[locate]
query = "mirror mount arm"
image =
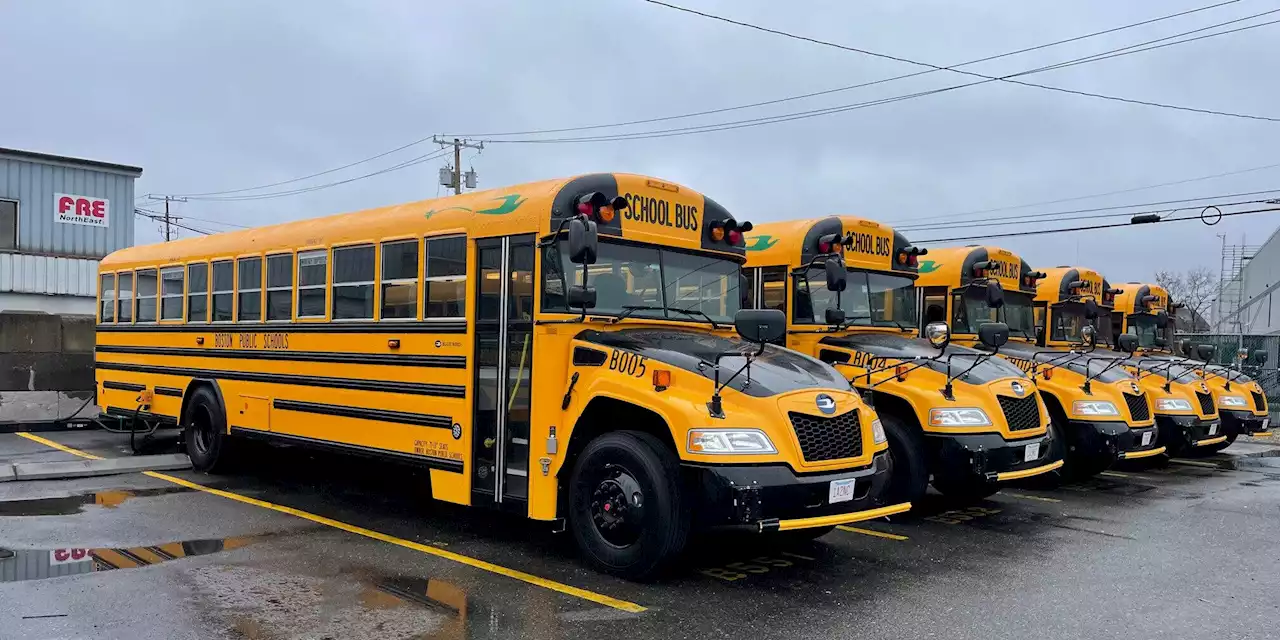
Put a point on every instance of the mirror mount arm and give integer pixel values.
(948, 391)
(715, 407)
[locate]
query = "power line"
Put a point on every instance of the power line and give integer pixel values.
(218, 222)
(1088, 228)
(263, 196)
(886, 56)
(160, 218)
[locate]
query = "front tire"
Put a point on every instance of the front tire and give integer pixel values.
(205, 431)
(628, 511)
(909, 479)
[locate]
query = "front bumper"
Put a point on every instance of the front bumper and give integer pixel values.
(773, 497)
(988, 457)
(1113, 439)
(1243, 422)
(1191, 431)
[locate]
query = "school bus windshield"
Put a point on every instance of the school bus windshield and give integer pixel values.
(662, 283)
(973, 310)
(1146, 328)
(1068, 322)
(869, 299)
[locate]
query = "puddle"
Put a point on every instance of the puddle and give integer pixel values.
(68, 505)
(38, 564)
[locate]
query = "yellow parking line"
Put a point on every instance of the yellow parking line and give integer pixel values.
(592, 596)
(1028, 497)
(1113, 474)
(872, 532)
(1195, 463)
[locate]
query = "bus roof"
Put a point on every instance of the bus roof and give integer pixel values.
(869, 244)
(658, 212)
(1139, 297)
(956, 267)
(1056, 286)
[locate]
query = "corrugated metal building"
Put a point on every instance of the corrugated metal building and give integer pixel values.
(58, 217)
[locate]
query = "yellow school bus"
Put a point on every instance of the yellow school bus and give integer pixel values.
(1097, 413)
(563, 350)
(1242, 405)
(1186, 413)
(952, 414)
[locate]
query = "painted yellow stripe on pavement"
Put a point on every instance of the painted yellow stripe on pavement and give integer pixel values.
(1113, 474)
(1025, 496)
(872, 532)
(49, 443)
(1195, 463)
(591, 596)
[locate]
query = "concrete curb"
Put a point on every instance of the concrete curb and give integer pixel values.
(88, 468)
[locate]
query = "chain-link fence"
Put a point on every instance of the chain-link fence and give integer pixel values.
(1229, 344)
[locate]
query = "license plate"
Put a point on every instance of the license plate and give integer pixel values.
(840, 491)
(1213, 428)
(1146, 438)
(1032, 452)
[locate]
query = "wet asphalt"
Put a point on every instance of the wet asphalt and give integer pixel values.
(1183, 550)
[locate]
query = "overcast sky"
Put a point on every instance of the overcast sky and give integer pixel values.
(213, 96)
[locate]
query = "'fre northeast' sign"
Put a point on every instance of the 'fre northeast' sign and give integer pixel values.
(73, 209)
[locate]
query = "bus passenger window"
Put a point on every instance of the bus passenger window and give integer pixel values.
(313, 278)
(280, 287)
(198, 292)
(400, 280)
(107, 296)
(171, 293)
(773, 283)
(353, 283)
(249, 308)
(146, 295)
(747, 288)
(124, 301)
(224, 281)
(446, 278)
(520, 289)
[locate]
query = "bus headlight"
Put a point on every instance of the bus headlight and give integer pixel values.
(1232, 401)
(1172, 404)
(877, 432)
(729, 441)
(966, 417)
(1094, 408)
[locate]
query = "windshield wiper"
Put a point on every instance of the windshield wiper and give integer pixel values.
(629, 308)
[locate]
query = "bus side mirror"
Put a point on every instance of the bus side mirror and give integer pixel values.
(1090, 309)
(834, 316)
(1205, 352)
(1184, 346)
(583, 241)
(1128, 343)
(760, 325)
(995, 295)
(1260, 357)
(993, 334)
(1089, 334)
(1241, 354)
(1159, 342)
(580, 297)
(938, 334)
(837, 277)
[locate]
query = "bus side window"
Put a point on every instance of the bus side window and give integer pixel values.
(399, 280)
(353, 283)
(313, 282)
(107, 296)
(446, 278)
(280, 287)
(146, 295)
(249, 293)
(172, 293)
(773, 285)
(124, 301)
(198, 292)
(224, 281)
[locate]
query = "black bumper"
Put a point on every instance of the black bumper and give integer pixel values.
(1242, 422)
(1186, 431)
(746, 496)
(968, 458)
(1108, 439)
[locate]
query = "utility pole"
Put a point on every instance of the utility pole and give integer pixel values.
(455, 175)
(167, 220)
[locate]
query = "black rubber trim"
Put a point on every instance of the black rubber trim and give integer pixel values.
(388, 386)
(439, 362)
(381, 415)
(459, 326)
(128, 414)
(169, 391)
(341, 447)
(123, 386)
(584, 357)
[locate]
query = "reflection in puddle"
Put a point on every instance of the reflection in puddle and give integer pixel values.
(68, 505)
(38, 564)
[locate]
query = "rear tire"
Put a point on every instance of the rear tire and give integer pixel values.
(205, 431)
(909, 479)
(628, 511)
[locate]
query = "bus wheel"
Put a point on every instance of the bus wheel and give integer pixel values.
(627, 509)
(205, 427)
(910, 469)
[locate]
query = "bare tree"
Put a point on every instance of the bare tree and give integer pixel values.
(1196, 288)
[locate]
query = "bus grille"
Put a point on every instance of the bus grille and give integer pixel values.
(1206, 403)
(1138, 409)
(1259, 401)
(828, 438)
(1020, 413)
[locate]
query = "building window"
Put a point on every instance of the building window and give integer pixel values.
(313, 278)
(400, 280)
(8, 225)
(249, 308)
(171, 293)
(198, 292)
(107, 297)
(124, 300)
(446, 278)
(280, 287)
(146, 295)
(353, 283)
(224, 283)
